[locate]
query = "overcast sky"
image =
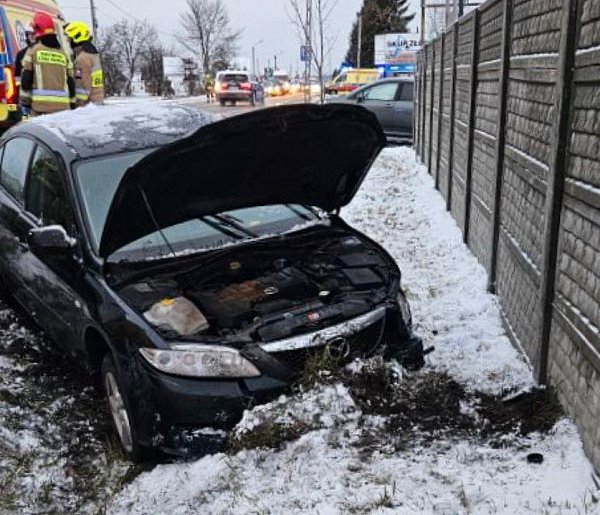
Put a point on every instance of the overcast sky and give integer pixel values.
(264, 20)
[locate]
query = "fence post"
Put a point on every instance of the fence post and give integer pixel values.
(417, 112)
(439, 129)
(556, 177)
(471, 128)
(423, 107)
(452, 114)
(430, 142)
(500, 141)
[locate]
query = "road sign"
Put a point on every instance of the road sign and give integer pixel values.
(304, 53)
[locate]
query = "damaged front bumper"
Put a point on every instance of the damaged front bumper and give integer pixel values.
(168, 408)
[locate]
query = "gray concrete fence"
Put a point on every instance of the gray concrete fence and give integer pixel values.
(508, 122)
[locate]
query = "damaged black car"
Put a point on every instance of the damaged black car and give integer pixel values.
(193, 265)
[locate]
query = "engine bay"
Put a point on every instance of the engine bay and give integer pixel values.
(265, 292)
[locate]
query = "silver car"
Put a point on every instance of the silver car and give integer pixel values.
(391, 100)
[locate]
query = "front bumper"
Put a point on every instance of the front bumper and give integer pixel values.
(164, 407)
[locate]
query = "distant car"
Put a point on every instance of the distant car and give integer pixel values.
(194, 267)
(273, 88)
(391, 100)
(238, 86)
(351, 80)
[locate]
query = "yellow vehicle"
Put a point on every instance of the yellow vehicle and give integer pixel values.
(352, 79)
(15, 15)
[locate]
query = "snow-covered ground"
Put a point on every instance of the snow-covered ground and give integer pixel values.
(334, 452)
(370, 439)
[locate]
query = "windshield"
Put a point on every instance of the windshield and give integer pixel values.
(98, 180)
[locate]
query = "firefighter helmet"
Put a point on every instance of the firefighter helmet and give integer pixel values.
(78, 32)
(42, 24)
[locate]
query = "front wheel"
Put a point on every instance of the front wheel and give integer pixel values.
(119, 410)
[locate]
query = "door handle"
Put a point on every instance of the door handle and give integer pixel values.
(389, 105)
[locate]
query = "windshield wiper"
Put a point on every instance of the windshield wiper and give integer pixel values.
(231, 221)
(221, 226)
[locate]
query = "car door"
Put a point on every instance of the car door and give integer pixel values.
(380, 99)
(49, 281)
(16, 157)
(403, 112)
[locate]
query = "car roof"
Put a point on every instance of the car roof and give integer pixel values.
(225, 72)
(100, 130)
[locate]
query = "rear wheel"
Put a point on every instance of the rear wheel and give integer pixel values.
(233, 103)
(222, 102)
(119, 410)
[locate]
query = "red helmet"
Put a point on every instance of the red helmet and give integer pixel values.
(42, 24)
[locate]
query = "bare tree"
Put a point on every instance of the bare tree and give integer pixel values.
(153, 71)
(208, 31)
(114, 80)
(131, 40)
(321, 42)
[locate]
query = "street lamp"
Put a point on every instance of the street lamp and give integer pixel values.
(254, 56)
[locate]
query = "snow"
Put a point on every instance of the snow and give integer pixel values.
(326, 470)
(110, 126)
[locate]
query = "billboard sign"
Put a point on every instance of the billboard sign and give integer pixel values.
(397, 51)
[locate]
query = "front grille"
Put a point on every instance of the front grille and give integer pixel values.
(361, 344)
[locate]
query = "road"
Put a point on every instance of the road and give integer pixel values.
(244, 107)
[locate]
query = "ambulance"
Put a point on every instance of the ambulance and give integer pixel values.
(15, 15)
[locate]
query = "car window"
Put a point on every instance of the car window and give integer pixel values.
(405, 92)
(341, 79)
(385, 92)
(98, 180)
(235, 77)
(47, 196)
(15, 162)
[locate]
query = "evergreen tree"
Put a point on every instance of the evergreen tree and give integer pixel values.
(378, 17)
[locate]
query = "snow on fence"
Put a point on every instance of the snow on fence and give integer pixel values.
(507, 119)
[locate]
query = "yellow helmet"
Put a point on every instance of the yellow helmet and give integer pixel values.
(78, 32)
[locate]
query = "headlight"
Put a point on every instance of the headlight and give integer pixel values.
(204, 361)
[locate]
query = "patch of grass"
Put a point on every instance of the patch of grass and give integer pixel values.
(267, 435)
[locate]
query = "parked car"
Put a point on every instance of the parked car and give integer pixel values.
(351, 80)
(391, 100)
(194, 276)
(14, 17)
(235, 86)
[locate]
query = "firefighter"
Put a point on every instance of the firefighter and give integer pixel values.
(209, 88)
(30, 41)
(89, 78)
(47, 84)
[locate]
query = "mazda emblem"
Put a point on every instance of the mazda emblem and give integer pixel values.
(338, 349)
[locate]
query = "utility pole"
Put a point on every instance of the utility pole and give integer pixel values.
(422, 22)
(275, 56)
(309, 47)
(94, 18)
(359, 14)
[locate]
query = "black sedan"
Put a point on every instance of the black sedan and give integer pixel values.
(193, 281)
(391, 100)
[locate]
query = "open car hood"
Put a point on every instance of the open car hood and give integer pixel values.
(299, 154)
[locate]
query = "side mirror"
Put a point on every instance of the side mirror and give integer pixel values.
(360, 98)
(50, 240)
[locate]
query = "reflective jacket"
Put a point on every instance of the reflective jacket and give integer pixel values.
(47, 84)
(89, 79)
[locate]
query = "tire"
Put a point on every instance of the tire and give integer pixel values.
(222, 102)
(120, 412)
(234, 103)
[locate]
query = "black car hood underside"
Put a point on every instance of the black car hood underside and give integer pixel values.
(301, 154)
